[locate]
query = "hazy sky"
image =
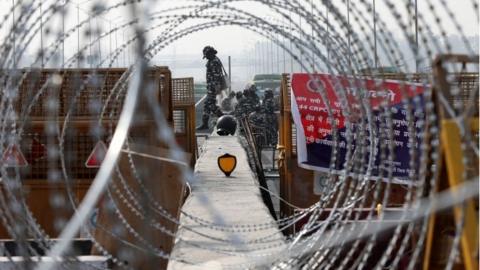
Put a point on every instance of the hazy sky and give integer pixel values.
(229, 40)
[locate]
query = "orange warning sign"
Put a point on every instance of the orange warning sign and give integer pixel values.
(13, 157)
(95, 159)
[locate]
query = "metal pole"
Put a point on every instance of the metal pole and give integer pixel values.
(41, 32)
(291, 44)
(348, 36)
(124, 49)
(229, 74)
(416, 37)
(110, 39)
(99, 43)
(63, 33)
(328, 32)
(255, 70)
(265, 61)
(78, 36)
(278, 54)
(13, 35)
(301, 36)
(271, 57)
(90, 45)
(129, 54)
(116, 45)
(284, 54)
(313, 37)
(375, 35)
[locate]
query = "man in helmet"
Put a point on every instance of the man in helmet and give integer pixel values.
(215, 78)
(254, 99)
(249, 102)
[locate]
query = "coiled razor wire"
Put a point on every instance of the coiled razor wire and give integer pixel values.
(331, 37)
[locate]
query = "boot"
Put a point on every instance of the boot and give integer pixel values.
(204, 124)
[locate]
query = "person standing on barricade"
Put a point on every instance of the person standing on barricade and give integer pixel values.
(216, 83)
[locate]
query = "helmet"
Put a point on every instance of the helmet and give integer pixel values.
(226, 125)
(239, 95)
(209, 50)
(269, 93)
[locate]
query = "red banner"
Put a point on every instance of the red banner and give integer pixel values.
(321, 100)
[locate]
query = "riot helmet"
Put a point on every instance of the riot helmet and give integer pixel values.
(239, 95)
(209, 52)
(226, 125)
(269, 93)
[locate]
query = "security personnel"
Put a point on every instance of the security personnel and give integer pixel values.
(243, 106)
(268, 106)
(268, 102)
(255, 100)
(215, 77)
(252, 99)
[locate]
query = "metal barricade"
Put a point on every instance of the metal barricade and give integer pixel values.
(184, 115)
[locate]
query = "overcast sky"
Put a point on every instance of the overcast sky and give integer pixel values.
(232, 40)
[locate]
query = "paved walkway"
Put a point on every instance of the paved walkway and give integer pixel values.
(218, 199)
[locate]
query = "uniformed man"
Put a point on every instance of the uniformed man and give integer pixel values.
(268, 106)
(243, 106)
(255, 100)
(215, 81)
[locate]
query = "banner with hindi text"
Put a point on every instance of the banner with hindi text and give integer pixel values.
(372, 142)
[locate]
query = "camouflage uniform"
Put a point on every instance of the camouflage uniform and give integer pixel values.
(215, 78)
(253, 102)
(214, 81)
(270, 118)
(242, 108)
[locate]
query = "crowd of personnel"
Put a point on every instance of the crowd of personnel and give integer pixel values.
(242, 105)
(260, 113)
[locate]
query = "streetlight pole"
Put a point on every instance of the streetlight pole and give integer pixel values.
(375, 36)
(63, 32)
(278, 53)
(271, 57)
(13, 35)
(265, 59)
(301, 36)
(348, 36)
(283, 51)
(313, 36)
(124, 48)
(328, 32)
(116, 45)
(416, 38)
(291, 44)
(99, 42)
(41, 32)
(110, 39)
(78, 36)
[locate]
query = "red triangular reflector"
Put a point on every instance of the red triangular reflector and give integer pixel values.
(95, 158)
(13, 157)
